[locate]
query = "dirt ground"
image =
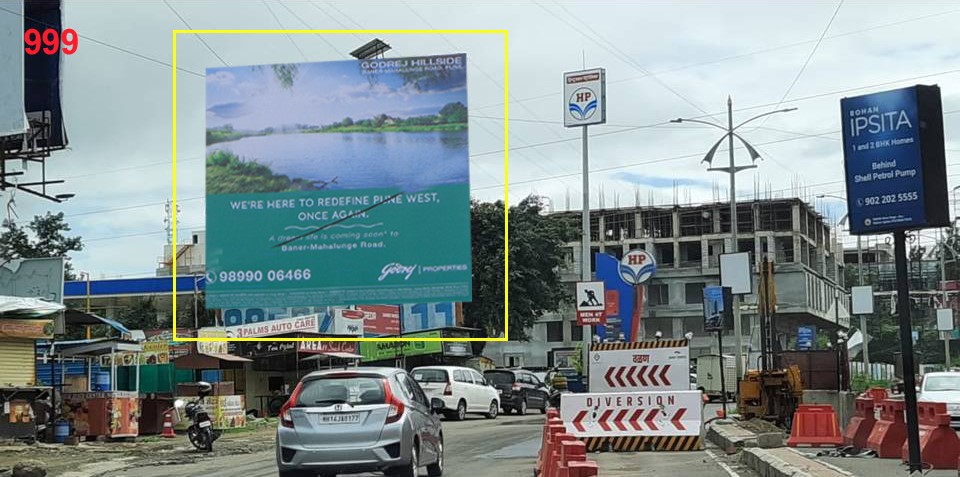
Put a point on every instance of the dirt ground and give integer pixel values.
(63, 460)
(759, 426)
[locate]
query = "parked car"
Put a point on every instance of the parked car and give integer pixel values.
(359, 420)
(519, 390)
(463, 390)
(943, 387)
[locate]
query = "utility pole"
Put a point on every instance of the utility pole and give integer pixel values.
(863, 318)
(732, 246)
(943, 288)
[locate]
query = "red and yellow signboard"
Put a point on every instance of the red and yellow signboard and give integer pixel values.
(26, 329)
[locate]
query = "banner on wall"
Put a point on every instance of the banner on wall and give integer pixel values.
(361, 167)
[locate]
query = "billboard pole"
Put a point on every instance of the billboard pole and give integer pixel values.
(585, 246)
(906, 344)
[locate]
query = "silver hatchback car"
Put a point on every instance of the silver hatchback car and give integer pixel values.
(347, 421)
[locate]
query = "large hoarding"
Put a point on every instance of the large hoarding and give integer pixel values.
(13, 119)
(894, 160)
(338, 182)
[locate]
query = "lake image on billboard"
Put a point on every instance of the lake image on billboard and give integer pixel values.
(352, 166)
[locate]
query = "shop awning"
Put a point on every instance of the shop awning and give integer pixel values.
(77, 317)
(94, 347)
(19, 307)
(209, 361)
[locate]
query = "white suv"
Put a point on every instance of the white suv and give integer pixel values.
(463, 390)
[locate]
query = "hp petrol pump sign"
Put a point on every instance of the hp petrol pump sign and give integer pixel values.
(584, 94)
(637, 266)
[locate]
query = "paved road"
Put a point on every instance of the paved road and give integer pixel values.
(477, 447)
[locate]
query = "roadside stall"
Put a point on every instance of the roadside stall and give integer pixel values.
(107, 408)
(25, 401)
(225, 404)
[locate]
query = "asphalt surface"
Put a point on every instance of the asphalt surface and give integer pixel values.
(476, 447)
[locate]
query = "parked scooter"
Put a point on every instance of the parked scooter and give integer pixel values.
(201, 432)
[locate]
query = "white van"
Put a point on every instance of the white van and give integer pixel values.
(463, 390)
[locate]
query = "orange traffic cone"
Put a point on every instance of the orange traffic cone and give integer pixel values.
(168, 425)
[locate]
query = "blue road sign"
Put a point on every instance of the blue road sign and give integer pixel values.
(805, 336)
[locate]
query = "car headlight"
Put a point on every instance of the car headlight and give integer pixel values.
(953, 408)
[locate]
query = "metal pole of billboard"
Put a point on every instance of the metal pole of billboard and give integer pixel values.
(943, 288)
(585, 250)
(906, 347)
(863, 318)
(733, 169)
(723, 372)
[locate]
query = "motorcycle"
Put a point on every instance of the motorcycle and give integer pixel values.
(201, 432)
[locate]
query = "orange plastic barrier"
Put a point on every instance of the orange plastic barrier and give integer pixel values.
(570, 451)
(890, 431)
(587, 468)
(551, 429)
(815, 425)
(860, 425)
(877, 394)
(552, 468)
(939, 444)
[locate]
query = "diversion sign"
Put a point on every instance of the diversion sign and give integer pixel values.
(341, 183)
(894, 160)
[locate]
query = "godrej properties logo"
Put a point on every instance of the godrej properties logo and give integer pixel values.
(583, 103)
(397, 269)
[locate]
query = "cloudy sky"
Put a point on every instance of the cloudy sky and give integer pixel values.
(663, 60)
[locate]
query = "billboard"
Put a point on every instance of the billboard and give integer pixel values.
(338, 182)
(894, 160)
(428, 316)
(33, 278)
(13, 119)
(584, 97)
(717, 308)
(384, 321)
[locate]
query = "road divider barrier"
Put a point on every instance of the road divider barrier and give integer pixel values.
(815, 425)
(861, 424)
(634, 421)
(939, 444)
(561, 454)
(649, 365)
(890, 431)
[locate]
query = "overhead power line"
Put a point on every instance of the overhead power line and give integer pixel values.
(199, 37)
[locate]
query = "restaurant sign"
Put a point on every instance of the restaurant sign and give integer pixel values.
(26, 329)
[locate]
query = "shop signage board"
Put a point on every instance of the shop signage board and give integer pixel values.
(383, 350)
(212, 347)
(389, 212)
(456, 349)
(893, 148)
(384, 321)
(347, 322)
(426, 316)
(266, 348)
(300, 324)
(625, 414)
(591, 309)
(584, 94)
(26, 329)
(641, 366)
(320, 347)
(154, 352)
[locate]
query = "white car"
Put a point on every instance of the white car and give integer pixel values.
(463, 390)
(943, 387)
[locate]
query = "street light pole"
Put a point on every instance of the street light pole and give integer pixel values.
(732, 247)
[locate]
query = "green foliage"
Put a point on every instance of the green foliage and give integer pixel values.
(577, 360)
(285, 74)
(861, 382)
(454, 113)
(141, 316)
(535, 259)
(44, 237)
(229, 174)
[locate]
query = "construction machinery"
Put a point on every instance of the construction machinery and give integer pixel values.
(772, 395)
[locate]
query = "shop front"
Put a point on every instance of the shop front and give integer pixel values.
(209, 361)
(24, 401)
(278, 366)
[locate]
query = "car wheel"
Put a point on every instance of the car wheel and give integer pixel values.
(461, 411)
(410, 470)
(494, 408)
(523, 407)
(436, 469)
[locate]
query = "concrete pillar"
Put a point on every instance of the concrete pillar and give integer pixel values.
(704, 253)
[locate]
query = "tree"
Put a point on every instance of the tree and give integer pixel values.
(43, 237)
(347, 122)
(453, 113)
(536, 256)
(141, 316)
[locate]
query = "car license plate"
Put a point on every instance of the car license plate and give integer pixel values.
(340, 418)
(204, 423)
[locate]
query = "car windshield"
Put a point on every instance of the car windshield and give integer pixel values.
(942, 383)
(354, 390)
(430, 375)
(499, 377)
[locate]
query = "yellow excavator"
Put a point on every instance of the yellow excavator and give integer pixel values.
(770, 395)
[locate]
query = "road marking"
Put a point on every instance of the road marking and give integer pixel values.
(722, 465)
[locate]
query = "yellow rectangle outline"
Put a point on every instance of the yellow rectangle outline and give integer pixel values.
(506, 171)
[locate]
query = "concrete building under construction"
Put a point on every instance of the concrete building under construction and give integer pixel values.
(687, 242)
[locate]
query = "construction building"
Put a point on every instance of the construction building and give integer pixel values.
(687, 242)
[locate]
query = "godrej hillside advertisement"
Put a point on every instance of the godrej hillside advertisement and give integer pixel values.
(341, 182)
